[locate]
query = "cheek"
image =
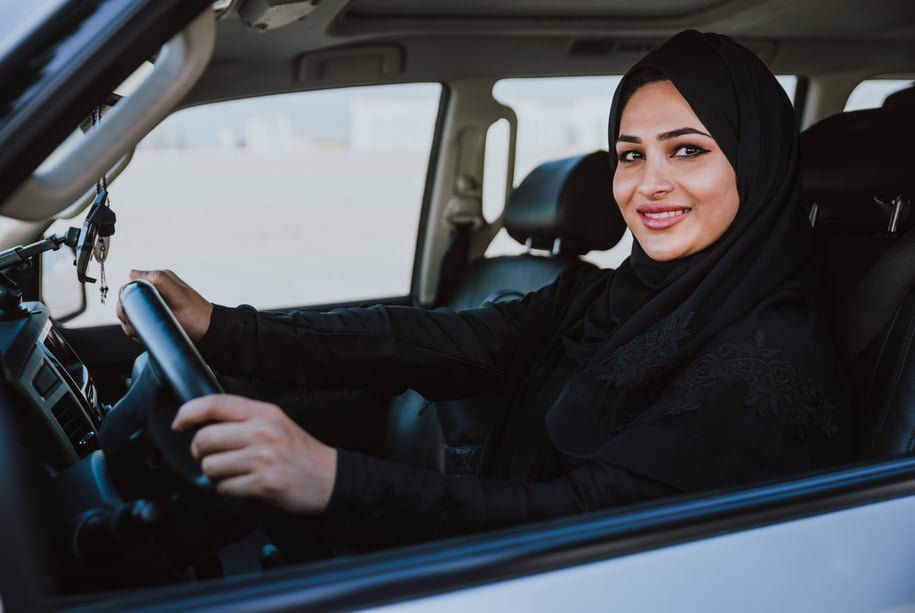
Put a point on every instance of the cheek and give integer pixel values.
(622, 189)
(718, 188)
(730, 204)
(706, 186)
(728, 201)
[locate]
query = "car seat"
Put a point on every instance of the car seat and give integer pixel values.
(859, 180)
(563, 208)
(901, 97)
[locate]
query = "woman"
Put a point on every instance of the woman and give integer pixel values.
(702, 362)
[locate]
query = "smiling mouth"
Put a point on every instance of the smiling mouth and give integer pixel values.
(659, 220)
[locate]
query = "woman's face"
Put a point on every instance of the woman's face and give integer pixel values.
(675, 187)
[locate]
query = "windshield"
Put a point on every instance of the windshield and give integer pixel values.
(19, 19)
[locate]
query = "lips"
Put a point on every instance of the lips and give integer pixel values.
(661, 216)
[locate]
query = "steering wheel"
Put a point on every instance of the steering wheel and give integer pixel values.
(144, 454)
(145, 458)
(169, 347)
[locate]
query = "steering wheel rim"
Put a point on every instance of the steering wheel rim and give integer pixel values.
(169, 347)
(175, 360)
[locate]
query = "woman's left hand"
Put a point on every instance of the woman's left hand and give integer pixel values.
(253, 449)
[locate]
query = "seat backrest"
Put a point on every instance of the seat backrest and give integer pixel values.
(563, 208)
(901, 97)
(859, 179)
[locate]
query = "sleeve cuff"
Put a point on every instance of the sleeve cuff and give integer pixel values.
(348, 483)
(217, 346)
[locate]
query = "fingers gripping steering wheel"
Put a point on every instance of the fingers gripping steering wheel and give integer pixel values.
(144, 454)
(169, 347)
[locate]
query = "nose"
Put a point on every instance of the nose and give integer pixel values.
(654, 181)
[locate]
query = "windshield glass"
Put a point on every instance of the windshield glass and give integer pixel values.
(19, 19)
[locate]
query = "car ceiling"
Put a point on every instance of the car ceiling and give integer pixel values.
(420, 40)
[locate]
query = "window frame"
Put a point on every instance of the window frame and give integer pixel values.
(421, 212)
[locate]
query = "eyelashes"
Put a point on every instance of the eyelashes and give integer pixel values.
(690, 151)
(629, 156)
(682, 151)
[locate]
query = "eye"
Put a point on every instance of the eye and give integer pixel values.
(688, 151)
(630, 155)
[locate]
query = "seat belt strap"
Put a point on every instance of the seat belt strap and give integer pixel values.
(453, 261)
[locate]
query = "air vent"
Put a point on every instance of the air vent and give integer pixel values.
(75, 425)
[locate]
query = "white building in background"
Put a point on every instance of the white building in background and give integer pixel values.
(269, 133)
(545, 131)
(226, 138)
(163, 138)
(553, 131)
(391, 124)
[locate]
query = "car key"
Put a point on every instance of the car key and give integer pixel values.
(100, 253)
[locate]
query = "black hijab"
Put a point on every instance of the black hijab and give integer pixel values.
(714, 368)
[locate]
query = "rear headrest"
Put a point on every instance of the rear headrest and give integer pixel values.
(569, 200)
(853, 158)
(903, 96)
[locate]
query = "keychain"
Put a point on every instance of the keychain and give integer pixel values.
(95, 237)
(94, 240)
(100, 253)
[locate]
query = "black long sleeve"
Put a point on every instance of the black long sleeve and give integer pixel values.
(441, 354)
(376, 503)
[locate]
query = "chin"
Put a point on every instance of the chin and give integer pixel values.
(665, 252)
(664, 256)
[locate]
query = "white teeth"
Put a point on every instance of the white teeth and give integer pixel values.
(664, 214)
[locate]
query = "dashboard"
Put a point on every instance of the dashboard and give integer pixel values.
(66, 414)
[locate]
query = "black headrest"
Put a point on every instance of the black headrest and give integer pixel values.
(567, 199)
(852, 158)
(903, 96)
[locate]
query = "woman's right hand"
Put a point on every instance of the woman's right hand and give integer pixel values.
(192, 310)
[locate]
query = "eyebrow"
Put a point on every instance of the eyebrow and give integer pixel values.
(626, 138)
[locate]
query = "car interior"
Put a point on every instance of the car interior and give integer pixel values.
(559, 211)
(862, 236)
(127, 503)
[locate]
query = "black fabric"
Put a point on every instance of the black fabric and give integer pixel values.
(707, 372)
(448, 435)
(718, 346)
(466, 423)
(442, 354)
(569, 200)
(566, 200)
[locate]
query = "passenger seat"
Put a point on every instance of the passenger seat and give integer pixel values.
(564, 209)
(859, 181)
